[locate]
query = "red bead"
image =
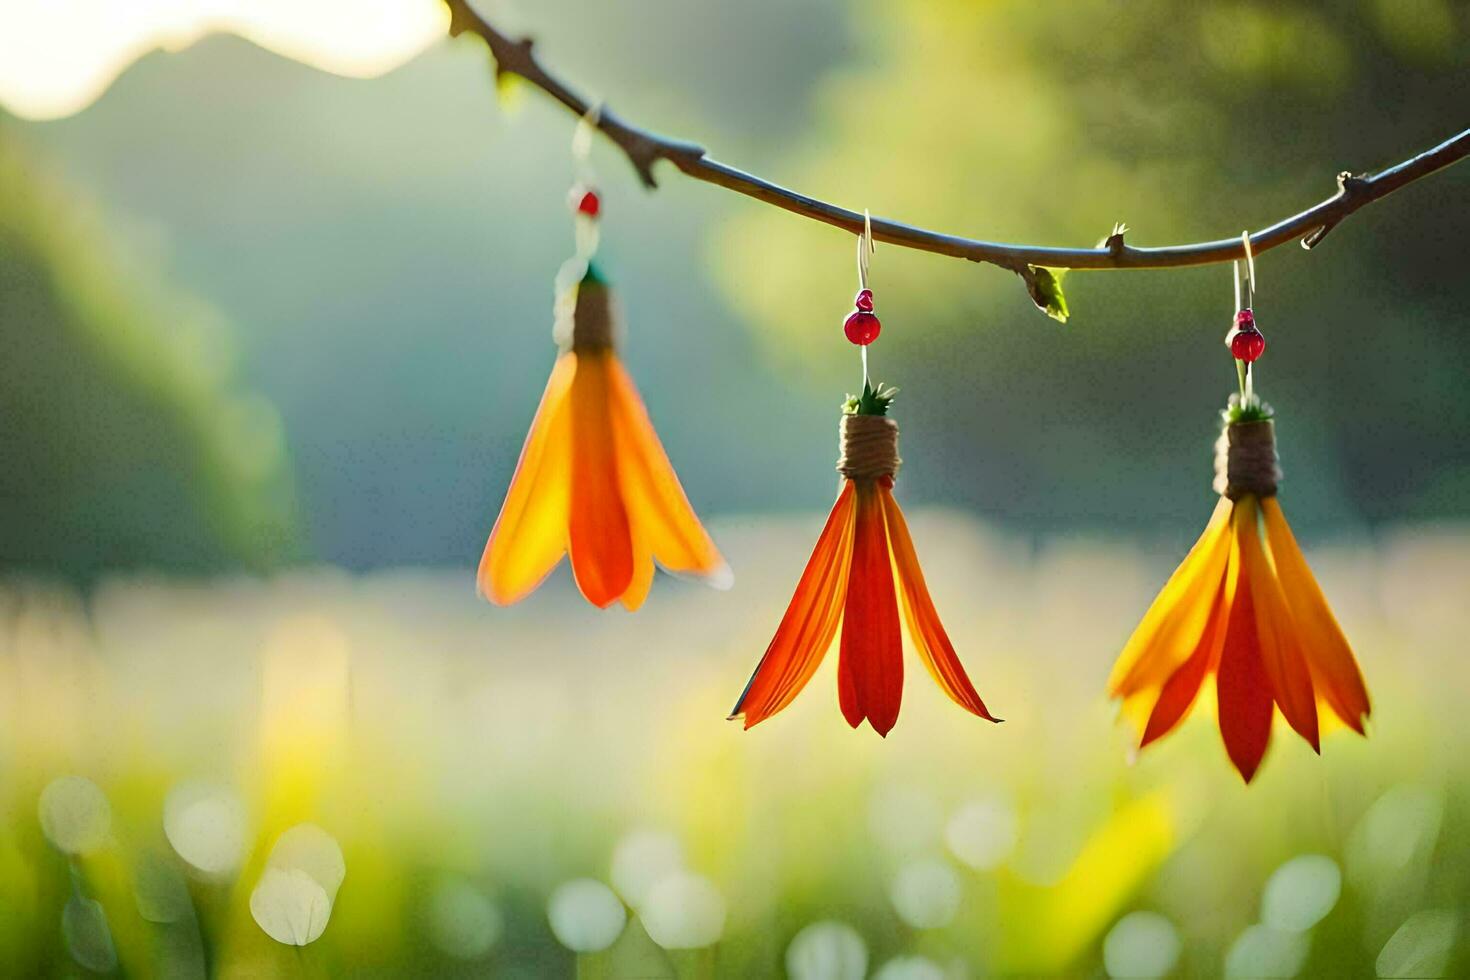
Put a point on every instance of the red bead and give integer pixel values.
(864, 300)
(1245, 320)
(862, 328)
(584, 201)
(1247, 344)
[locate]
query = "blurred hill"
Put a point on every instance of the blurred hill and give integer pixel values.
(124, 440)
(385, 249)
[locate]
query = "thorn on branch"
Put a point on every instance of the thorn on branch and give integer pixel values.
(1350, 189)
(1114, 242)
(644, 149)
(513, 57)
(1312, 240)
(460, 19)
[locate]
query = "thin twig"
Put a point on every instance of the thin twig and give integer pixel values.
(644, 149)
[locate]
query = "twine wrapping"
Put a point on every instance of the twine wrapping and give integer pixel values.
(593, 320)
(1245, 460)
(868, 445)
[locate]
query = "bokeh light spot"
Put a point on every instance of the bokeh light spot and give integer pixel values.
(827, 950)
(1263, 952)
(926, 894)
(1141, 945)
(87, 936)
(909, 968)
(585, 915)
(641, 859)
(684, 911)
(160, 891)
(311, 850)
(290, 906)
(982, 833)
(1300, 893)
(904, 819)
(206, 825)
(1421, 947)
(1401, 824)
(75, 815)
(462, 921)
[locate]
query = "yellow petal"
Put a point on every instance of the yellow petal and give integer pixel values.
(1178, 694)
(925, 630)
(1170, 629)
(656, 502)
(642, 577)
(1335, 672)
(530, 535)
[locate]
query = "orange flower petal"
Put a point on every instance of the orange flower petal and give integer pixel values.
(1170, 630)
(1281, 652)
(810, 622)
(870, 663)
(599, 539)
(1179, 692)
(1335, 672)
(642, 578)
(925, 630)
(530, 535)
(1242, 688)
(656, 502)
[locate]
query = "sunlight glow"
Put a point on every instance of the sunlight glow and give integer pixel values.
(304, 710)
(56, 58)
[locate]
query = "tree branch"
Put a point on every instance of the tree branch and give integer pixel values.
(644, 149)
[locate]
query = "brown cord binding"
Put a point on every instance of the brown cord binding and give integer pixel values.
(869, 447)
(592, 319)
(1245, 460)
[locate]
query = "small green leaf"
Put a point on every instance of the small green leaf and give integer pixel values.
(873, 401)
(1045, 286)
(1252, 410)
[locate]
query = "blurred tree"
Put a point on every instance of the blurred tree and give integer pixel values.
(122, 440)
(1022, 122)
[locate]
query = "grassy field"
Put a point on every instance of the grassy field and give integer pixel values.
(457, 765)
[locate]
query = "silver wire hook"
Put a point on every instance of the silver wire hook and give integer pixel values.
(1250, 280)
(865, 247)
(586, 126)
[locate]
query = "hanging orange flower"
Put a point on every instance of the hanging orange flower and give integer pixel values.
(1243, 610)
(849, 579)
(593, 480)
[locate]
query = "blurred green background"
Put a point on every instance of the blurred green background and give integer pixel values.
(355, 276)
(273, 336)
